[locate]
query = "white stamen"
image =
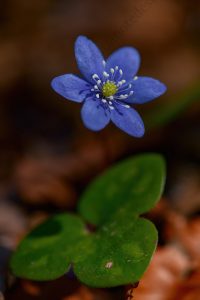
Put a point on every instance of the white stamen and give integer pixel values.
(121, 82)
(110, 103)
(97, 95)
(112, 70)
(123, 96)
(111, 97)
(126, 105)
(99, 81)
(96, 87)
(120, 72)
(104, 100)
(116, 68)
(111, 107)
(105, 74)
(104, 63)
(131, 93)
(95, 76)
(135, 78)
(125, 88)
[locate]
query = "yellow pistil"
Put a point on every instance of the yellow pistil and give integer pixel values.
(109, 89)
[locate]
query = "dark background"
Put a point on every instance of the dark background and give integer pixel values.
(47, 156)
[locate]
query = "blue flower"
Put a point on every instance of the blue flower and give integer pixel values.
(109, 87)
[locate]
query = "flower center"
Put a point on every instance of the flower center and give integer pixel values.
(109, 89)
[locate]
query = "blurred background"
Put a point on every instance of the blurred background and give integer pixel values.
(47, 156)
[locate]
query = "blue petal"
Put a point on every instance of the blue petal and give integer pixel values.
(128, 120)
(89, 58)
(71, 87)
(94, 116)
(128, 59)
(146, 89)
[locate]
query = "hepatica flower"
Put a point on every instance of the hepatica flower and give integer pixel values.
(108, 87)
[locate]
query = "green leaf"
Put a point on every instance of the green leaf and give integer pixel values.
(122, 246)
(137, 181)
(46, 253)
(118, 253)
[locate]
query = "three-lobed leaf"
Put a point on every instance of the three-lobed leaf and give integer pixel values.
(122, 246)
